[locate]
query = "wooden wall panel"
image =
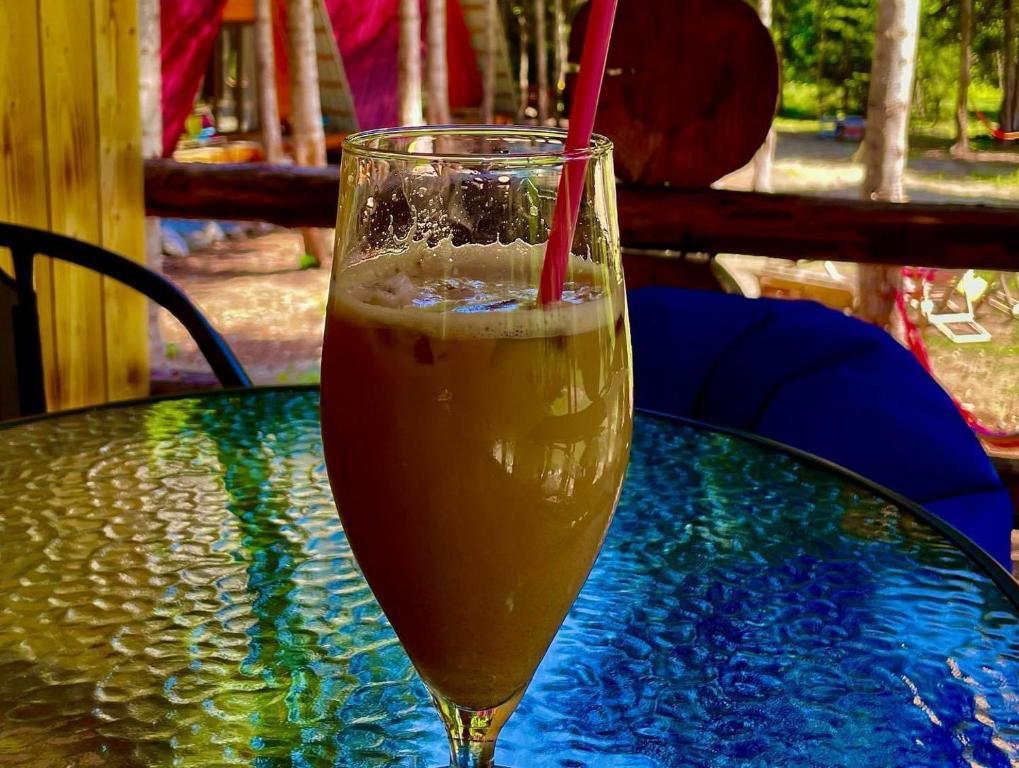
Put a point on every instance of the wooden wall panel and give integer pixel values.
(121, 196)
(22, 135)
(72, 141)
(70, 161)
(24, 197)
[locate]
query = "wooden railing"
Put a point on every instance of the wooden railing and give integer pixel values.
(651, 219)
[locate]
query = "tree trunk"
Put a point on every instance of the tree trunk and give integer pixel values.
(541, 59)
(822, 40)
(891, 86)
(763, 161)
(765, 156)
(1010, 113)
(306, 107)
(488, 81)
(150, 77)
(306, 104)
(562, 53)
(524, 81)
(887, 138)
(1009, 118)
(410, 63)
(961, 146)
(438, 65)
(265, 64)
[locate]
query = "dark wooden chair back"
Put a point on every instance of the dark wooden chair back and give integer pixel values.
(690, 91)
(22, 390)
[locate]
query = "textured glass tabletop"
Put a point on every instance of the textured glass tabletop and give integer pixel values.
(176, 590)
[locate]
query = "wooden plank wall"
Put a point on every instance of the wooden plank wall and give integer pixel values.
(70, 161)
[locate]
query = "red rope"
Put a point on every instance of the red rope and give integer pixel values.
(916, 345)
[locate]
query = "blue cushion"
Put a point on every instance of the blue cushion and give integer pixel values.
(822, 382)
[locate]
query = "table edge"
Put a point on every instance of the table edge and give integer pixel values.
(977, 555)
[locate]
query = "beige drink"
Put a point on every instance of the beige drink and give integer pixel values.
(476, 444)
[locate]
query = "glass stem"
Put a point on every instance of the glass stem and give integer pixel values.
(472, 733)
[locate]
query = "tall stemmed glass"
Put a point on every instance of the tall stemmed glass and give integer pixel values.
(476, 440)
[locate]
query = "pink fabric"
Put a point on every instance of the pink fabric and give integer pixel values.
(189, 29)
(367, 32)
(464, 75)
(368, 35)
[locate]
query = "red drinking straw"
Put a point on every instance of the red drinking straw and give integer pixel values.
(578, 139)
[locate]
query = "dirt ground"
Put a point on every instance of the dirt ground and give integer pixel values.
(253, 291)
(272, 312)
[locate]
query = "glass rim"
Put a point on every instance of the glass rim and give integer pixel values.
(357, 144)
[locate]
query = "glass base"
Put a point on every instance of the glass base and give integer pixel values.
(472, 733)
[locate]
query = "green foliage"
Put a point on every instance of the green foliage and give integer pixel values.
(937, 68)
(829, 44)
(827, 48)
(986, 98)
(937, 86)
(799, 100)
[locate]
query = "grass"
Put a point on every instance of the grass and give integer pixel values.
(924, 139)
(796, 124)
(1006, 179)
(1004, 349)
(800, 110)
(291, 375)
(799, 100)
(984, 376)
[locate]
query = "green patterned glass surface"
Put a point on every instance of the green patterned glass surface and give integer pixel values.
(177, 591)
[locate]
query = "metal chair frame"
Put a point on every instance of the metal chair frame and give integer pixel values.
(25, 243)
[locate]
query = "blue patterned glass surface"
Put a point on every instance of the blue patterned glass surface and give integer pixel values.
(177, 591)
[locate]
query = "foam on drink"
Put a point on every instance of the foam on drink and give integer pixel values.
(470, 291)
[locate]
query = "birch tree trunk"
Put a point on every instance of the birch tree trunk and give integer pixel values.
(887, 139)
(150, 76)
(306, 104)
(961, 146)
(438, 64)
(763, 162)
(306, 107)
(541, 59)
(765, 156)
(488, 80)
(561, 52)
(265, 65)
(1009, 119)
(524, 82)
(411, 112)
